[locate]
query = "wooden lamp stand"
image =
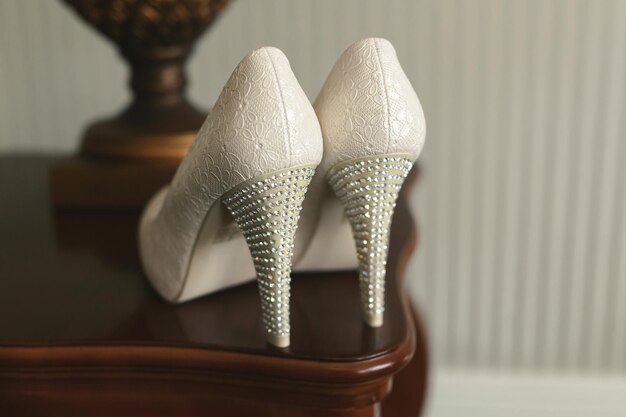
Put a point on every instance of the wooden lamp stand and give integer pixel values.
(125, 159)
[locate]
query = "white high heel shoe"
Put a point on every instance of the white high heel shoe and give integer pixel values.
(374, 129)
(255, 153)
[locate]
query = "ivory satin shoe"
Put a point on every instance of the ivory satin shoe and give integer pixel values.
(373, 128)
(252, 161)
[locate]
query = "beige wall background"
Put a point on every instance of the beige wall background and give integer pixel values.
(522, 259)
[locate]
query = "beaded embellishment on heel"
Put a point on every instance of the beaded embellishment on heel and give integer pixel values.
(267, 212)
(368, 188)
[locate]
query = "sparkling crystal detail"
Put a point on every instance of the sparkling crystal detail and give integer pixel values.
(368, 189)
(267, 211)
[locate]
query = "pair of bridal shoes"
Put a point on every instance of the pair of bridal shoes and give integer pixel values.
(266, 162)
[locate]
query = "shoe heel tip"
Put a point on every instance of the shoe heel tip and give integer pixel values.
(281, 341)
(374, 320)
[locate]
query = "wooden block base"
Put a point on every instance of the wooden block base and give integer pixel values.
(80, 183)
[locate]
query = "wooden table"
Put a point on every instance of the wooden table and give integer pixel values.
(82, 332)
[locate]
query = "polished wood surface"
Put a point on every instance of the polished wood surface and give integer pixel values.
(97, 184)
(77, 315)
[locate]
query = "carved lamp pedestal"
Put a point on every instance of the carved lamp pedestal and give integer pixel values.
(160, 122)
(124, 159)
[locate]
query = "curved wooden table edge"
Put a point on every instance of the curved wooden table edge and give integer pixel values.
(66, 361)
(33, 359)
(90, 358)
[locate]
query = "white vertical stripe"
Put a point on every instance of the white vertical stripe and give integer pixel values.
(512, 160)
(541, 39)
(436, 133)
(580, 188)
(5, 77)
(604, 173)
(419, 16)
(460, 246)
(560, 132)
(615, 344)
(487, 199)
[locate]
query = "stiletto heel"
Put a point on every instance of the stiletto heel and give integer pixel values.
(267, 211)
(254, 156)
(373, 128)
(368, 188)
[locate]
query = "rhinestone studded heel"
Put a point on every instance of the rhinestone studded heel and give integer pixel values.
(254, 156)
(267, 211)
(368, 188)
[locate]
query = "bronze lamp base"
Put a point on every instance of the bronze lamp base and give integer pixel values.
(118, 154)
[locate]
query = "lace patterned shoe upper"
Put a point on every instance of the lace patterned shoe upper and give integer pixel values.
(261, 123)
(368, 107)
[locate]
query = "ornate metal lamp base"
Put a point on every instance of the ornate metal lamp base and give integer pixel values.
(154, 132)
(144, 131)
(160, 122)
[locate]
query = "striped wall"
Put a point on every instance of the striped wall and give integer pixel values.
(522, 259)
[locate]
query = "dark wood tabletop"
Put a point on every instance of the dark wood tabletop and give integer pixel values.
(81, 328)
